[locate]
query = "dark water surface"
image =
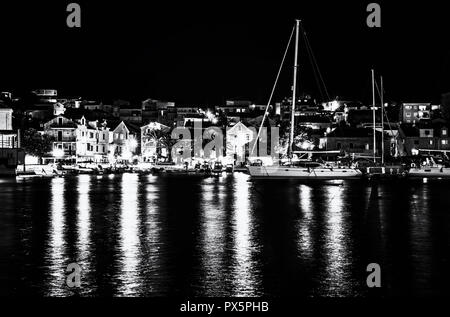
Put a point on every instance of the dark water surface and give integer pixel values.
(161, 236)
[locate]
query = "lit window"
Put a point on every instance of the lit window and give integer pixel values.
(444, 132)
(444, 142)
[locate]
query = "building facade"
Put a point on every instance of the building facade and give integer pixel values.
(64, 132)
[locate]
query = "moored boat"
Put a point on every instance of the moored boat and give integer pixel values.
(313, 171)
(429, 172)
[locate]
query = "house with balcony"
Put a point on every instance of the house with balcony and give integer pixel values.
(10, 153)
(64, 132)
(8, 137)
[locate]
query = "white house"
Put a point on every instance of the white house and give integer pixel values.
(238, 141)
(123, 144)
(92, 141)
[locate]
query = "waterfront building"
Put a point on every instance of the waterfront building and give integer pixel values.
(64, 132)
(352, 140)
(238, 139)
(123, 144)
(425, 137)
(10, 153)
(8, 137)
(92, 141)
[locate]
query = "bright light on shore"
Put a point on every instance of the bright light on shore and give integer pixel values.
(132, 144)
(58, 153)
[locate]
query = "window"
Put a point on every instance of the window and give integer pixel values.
(444, 131)
(96, 148)
(408, 114)
(431, 142)
(444, 142)
(91, 135)
(103, 136)
(121, 136)
(60, 121)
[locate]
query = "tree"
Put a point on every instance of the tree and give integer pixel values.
(163, 139)
(36, 144)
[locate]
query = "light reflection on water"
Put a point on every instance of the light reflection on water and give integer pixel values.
(337, 277)
(246, 275)
(129, 236)
(56, 250)
(227, 236)
(305, 223)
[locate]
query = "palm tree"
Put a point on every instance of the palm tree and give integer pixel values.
(162, 138)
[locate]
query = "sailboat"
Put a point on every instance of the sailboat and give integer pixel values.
(306, 170)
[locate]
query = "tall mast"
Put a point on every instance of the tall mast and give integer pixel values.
(294, 87)
(382, 121)
(374, 121)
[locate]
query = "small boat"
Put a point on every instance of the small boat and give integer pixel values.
(47, 171)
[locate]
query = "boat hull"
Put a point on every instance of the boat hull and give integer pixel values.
(280, 172)
(431, 172)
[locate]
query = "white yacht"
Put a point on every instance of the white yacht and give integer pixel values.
(429, 172)
(307, 170)
(311, 171)
(429, 168)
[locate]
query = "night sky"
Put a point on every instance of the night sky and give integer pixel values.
(207, 52)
